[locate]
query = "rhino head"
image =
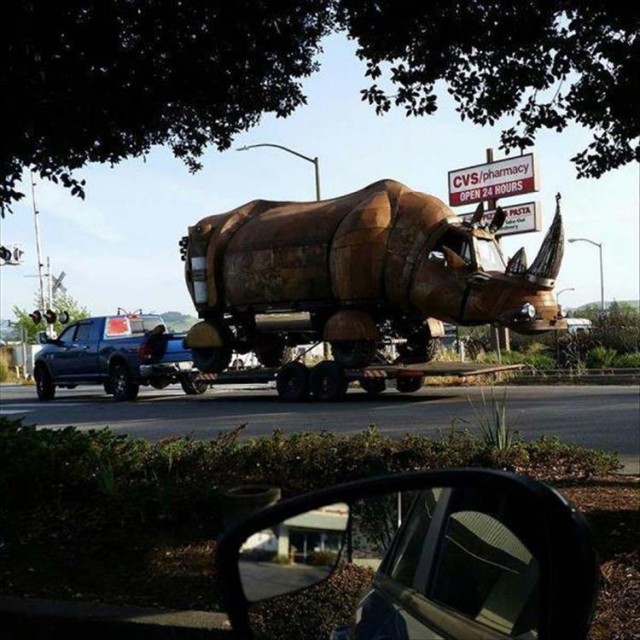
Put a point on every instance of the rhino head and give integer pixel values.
(464, 278)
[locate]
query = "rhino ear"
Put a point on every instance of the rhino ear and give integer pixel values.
(498, 220)
(477, 216)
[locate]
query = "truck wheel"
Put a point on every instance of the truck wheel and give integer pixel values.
(122, 384)
(292, 382)
(193, 387)
(353, 354)
(214, 360)
(419, 349)
(328, 381)
(373, 386)
(409, 385)
(45, 388)
(272, 352)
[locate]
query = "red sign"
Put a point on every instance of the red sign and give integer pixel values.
(493, 180)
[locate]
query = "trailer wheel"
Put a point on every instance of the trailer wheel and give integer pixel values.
(409, 385)
(353, 354)
(213, 360)
(292, 382)
(193, 387)
(328, 381)
(271, 351)
(373, 386)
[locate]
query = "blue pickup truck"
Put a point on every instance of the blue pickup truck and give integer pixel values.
(119, 352)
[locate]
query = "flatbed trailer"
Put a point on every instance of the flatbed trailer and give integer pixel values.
(329, 381)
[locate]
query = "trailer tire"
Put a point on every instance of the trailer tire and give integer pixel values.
(211, 360)
(292, 382)
(45, 388)
(273, 352)
(328, 382)
(122, 383)
(193, 387)
(409, 385)
(373, 386)
(353, 354)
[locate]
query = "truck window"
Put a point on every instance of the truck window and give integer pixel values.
(83, 334)
(117, 327)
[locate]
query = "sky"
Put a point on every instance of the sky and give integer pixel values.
(119, 247)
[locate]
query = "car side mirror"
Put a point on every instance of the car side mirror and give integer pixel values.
(43, 338)
(477, 553)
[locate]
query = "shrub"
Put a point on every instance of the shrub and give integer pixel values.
(4, 366)
(322, 559)
(627, 361)
(600, 358)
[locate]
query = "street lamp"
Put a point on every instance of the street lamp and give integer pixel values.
(599, 245)
(316, 164)
(562, 291)
(314, 161)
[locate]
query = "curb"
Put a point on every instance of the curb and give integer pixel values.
(39, 619)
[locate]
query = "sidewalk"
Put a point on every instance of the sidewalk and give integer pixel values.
(37, 619)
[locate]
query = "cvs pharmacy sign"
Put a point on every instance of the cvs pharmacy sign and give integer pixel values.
(490, 181)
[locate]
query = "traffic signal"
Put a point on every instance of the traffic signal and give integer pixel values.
(64, 317)
(183, 244)
(36, 316)
(11, 254)
(50, 316)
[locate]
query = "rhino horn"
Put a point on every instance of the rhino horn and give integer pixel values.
(477, 215)
(498, 220)
(546, 266)
(517, 264)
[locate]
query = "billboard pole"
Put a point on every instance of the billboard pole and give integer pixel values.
(500, 335)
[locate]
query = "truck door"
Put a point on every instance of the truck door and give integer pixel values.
(82, 354)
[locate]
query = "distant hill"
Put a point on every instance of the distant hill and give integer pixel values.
(178, 322)
(634, 304)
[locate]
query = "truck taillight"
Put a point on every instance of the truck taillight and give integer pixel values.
(145, 352)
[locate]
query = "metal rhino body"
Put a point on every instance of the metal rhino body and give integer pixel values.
(381, 263)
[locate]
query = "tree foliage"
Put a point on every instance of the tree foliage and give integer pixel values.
(90, 81)
(61, 302)
(546, 62)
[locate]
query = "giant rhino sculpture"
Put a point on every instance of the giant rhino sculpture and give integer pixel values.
(380, 263)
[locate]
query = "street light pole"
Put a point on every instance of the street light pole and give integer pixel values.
(314, 161)
(599, 245)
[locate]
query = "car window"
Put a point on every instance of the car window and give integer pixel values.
(405, 560)
(486, 572)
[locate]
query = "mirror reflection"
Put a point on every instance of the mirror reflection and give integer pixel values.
(295, 553)
(405, 565)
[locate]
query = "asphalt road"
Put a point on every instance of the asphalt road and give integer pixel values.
(600, 417)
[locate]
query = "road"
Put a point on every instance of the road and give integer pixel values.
(600, 417)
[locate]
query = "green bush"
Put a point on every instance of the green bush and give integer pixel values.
(322, 559)
(627, 361)
(600, 358)
(125, 481)
(535, 359)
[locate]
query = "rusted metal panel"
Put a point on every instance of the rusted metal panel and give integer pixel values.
(351, 325)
